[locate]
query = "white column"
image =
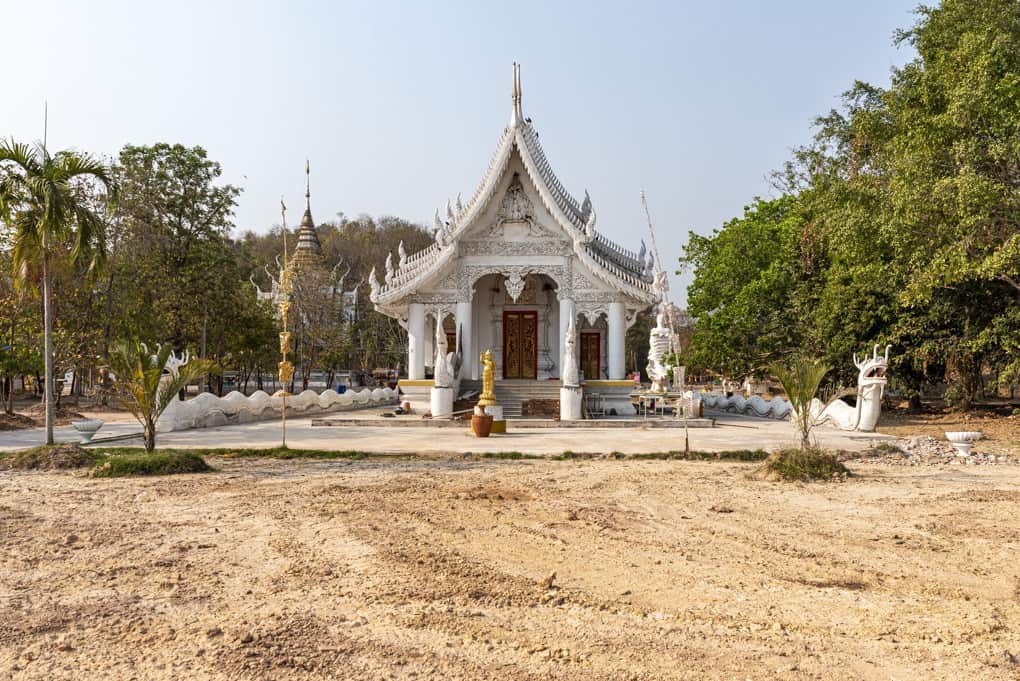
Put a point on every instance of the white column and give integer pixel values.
(566, 314)
(617, 336)
(416, 341)
(469, 366)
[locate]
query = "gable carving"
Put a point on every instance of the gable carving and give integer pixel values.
(515, 217)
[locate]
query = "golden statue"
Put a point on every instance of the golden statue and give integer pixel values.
(286, 373)
(488, 398)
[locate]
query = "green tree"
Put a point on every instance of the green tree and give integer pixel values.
(900, 223)
(43, 200)
(175, 271)
(744, 277)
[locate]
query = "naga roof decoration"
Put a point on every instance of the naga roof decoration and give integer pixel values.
(615, 265)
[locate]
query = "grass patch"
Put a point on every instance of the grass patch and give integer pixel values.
(675, 455)
(245, 452)
(576, 456)
(49, 458)
(804, 465)
(511, 456)
(881, 449)
(166, 462)
(728, 455)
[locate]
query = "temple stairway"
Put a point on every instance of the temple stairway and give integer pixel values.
(513, 393)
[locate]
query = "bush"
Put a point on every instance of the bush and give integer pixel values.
(155, 463)
(804, 465)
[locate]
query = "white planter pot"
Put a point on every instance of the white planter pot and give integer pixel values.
(963, 440)
(87, 429)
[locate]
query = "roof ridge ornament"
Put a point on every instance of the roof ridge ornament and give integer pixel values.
(516, 117)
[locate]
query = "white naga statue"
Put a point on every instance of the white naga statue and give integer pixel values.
(445, 361)
(871, 380)
(658, 349)
(570, 374)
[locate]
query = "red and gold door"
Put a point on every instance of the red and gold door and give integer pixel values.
(520, 344)
(591, 353)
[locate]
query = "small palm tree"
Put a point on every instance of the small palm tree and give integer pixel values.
(142, 386)
(41, 199)
(801, 381)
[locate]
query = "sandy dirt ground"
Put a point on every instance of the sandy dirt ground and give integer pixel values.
(1001, 434)
(454, 569)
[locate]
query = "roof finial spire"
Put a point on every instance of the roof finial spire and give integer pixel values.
(516, 117)
(308, 185)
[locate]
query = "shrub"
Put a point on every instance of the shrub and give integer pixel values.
(804, 465)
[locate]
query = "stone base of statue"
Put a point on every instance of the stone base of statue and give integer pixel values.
(441, 402)
(498, 420)
(570, 404)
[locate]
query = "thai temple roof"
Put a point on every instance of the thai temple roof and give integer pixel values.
(617, 266)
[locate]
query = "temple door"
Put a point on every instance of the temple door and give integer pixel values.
(520, 344)
(591, 353)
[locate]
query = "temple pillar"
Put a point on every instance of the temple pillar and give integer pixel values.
(566, 315)
(416, 341)
(617, 337)
(466, 341)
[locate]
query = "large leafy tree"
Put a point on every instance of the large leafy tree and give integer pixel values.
(900, 222)
(744, 276)
(44, 199)
(174, 274)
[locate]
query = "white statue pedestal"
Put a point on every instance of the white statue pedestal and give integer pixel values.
(570, 404)
(498, 420)
(441, 402)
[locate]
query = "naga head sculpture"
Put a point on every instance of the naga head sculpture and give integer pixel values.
(175, 361)
(872, 369)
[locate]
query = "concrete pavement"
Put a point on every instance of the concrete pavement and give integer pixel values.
(732, 432)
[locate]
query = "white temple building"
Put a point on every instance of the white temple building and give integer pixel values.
(511, 267)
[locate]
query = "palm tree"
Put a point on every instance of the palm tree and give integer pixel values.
(143, 388)
(801, 381)
(41, 197)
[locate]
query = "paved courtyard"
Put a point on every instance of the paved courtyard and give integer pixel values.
(731, 432)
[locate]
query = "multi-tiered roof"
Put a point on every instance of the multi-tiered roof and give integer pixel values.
(308, 249)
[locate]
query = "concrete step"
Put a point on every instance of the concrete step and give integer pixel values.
(511, 394)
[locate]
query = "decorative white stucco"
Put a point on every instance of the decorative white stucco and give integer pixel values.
(521, 242)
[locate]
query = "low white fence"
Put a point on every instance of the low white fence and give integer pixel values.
(208, 410)
(777, 408)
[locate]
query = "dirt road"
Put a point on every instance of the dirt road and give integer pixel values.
(444, 569)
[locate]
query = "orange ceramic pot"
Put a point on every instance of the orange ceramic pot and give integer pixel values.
(481, 426)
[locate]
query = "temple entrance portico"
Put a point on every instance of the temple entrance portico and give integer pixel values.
(525, 334)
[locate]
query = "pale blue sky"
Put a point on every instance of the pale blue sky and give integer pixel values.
(399, 105)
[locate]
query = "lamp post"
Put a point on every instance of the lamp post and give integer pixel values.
(283, 302)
